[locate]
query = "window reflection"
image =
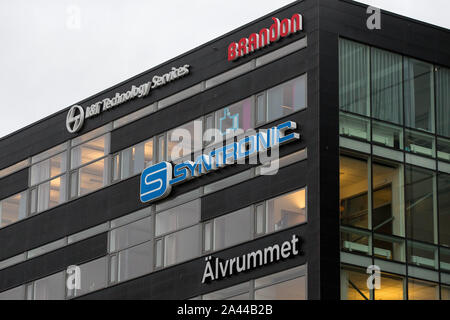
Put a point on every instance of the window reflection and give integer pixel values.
(90, 151)
(13, 209)
(286, 98)
(286, 211)
(92, 177)
(353, 174)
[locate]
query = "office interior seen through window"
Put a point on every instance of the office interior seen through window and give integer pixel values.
(360, 182)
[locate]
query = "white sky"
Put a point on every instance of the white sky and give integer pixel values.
(55, 53)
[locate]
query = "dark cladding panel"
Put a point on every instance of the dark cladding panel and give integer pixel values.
(14, 183)
(52, 262)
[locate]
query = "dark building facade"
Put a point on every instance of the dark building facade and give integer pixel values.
(365, 185)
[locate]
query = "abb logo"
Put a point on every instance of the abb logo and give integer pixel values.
(279, 29)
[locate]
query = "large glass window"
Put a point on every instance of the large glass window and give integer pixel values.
(388, 198)
(235, 118)
(422, 290)
(443, 101)
(13, 209)
(354, 74)
(93, 276)
(182, 245)
(233, 228)
(354, 284)
(48, 168)
(178, 217)
(444, 209)
(286, 98)
(130, 235)
(135, 159)
(134, 262)
(90, 151)
(50, 194)
(92, 177)
(392, 287)
(13, 294)
(419, 95)
(285, 285)
(50, 288)
(421, 220)
(286, 211)
(184, 140)
(354, 185)
(387, 89)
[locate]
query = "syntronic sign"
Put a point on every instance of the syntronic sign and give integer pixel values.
(157, 180)
(279, 29)
(76, 115)
(216, 268)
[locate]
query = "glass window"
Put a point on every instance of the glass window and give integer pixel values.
(49, 153)
(285, 285)
(389, 248)
(50, 288)
(233, 228)
(354, 185)
(286, 98)
(354, 127)
(445, 259)
(93, 276)
(392, 287)
(443, 149)
(387, 90)
(136, 158)
(184, 140)
(13, 209)
(48, 168)
(236, 118)
(51, 193)
(422, 290)
(419, 204)
(288, 290)
(387, 135)
(90, 151)
(286, 211)
(13, 294)
(354, 73)
(422, 255)
(443, 101)
(130, 235)
(237, 292)
(135, 261)
(420, 143)
(354, 284)
(356, 241)
(445, 293)
(388, 198)
(178, 217)
(419, 97)
(182, 245)
(92, 177)
(444, 208)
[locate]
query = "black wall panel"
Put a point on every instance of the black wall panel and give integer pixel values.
(52, 262)
(14, 183)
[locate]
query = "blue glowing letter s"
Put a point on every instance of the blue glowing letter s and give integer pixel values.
(155, 182)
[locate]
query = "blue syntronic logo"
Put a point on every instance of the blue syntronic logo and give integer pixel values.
(157, 180)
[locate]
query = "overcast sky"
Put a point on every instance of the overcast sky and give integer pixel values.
(54, 53)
